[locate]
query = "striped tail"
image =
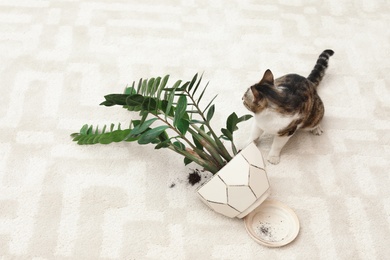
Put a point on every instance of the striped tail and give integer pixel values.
(318, 71)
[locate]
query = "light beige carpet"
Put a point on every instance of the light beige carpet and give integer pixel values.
(59, 200)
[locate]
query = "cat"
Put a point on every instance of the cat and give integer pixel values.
(286, 104)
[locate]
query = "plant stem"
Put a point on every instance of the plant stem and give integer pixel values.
(177, 132)
(234, 148)
(209, 147)
(206, 156)
(209, 166)
(201, 153)
(218, 143)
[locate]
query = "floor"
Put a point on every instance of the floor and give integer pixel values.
(59, 200)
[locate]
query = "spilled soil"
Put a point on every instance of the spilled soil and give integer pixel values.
(194, 177)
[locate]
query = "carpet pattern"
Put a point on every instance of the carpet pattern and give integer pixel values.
(59, 58)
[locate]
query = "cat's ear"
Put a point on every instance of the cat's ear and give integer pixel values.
(268, 78)
(256, 93)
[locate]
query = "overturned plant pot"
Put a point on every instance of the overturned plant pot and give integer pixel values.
(240, 186)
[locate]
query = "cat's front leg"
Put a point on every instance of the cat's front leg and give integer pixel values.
(277, 145)
(317, 130)
(255, 134)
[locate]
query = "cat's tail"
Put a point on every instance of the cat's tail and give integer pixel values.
(318, 71)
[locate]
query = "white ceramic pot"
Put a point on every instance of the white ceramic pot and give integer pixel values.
(240, 186)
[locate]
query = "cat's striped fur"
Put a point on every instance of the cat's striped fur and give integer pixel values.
(286, 104)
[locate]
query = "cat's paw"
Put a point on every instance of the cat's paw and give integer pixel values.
(273, 159)
(317, 131)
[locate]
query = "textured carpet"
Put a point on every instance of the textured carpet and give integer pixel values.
(59, 200)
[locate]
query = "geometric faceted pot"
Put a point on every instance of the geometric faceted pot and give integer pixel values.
(240, 186)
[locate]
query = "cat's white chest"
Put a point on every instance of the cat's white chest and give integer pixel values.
(272, 122)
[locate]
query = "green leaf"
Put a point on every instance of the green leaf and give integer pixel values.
(116, 99)
(195, 138)
(139, 85)
(231, 123)
(136, 122)
(144, 87)
(224, 137)
(85, 139)
(82, 139)
(89, 131)
(144, 115)
(135, 108)
(125, 134)
(162, 86)
(149, 104)
(164, 137)
(88, 135)
(244, 118)
(150, 135)
(139, 129)
(96, 139)
(135, 100)
(76, 136)
(116, 136)
(163, 144)
(183, 125)
(129, 138)
(176, 85)
(197, 85)
(227, 133)
(180, 109)
(88, 139)
(105, 138)
(155, 86)
(170, 98)
(91, 139)
(84, 130)
(209, 104)
(201, 95)
(107, 103)
(169, 104)
(155, 141)
(210, 113)
(186, 116)
(150, 86)
(130, 90)
(192, 82)
(179, 145)
(187, 161)
(183, 87)
(163, 107)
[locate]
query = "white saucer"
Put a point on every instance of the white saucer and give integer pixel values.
(272, 224)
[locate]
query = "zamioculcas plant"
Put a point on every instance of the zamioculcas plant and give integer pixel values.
(176, 108)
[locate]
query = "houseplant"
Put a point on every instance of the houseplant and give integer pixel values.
(179, 123)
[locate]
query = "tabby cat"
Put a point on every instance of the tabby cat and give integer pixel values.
(286, 104)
